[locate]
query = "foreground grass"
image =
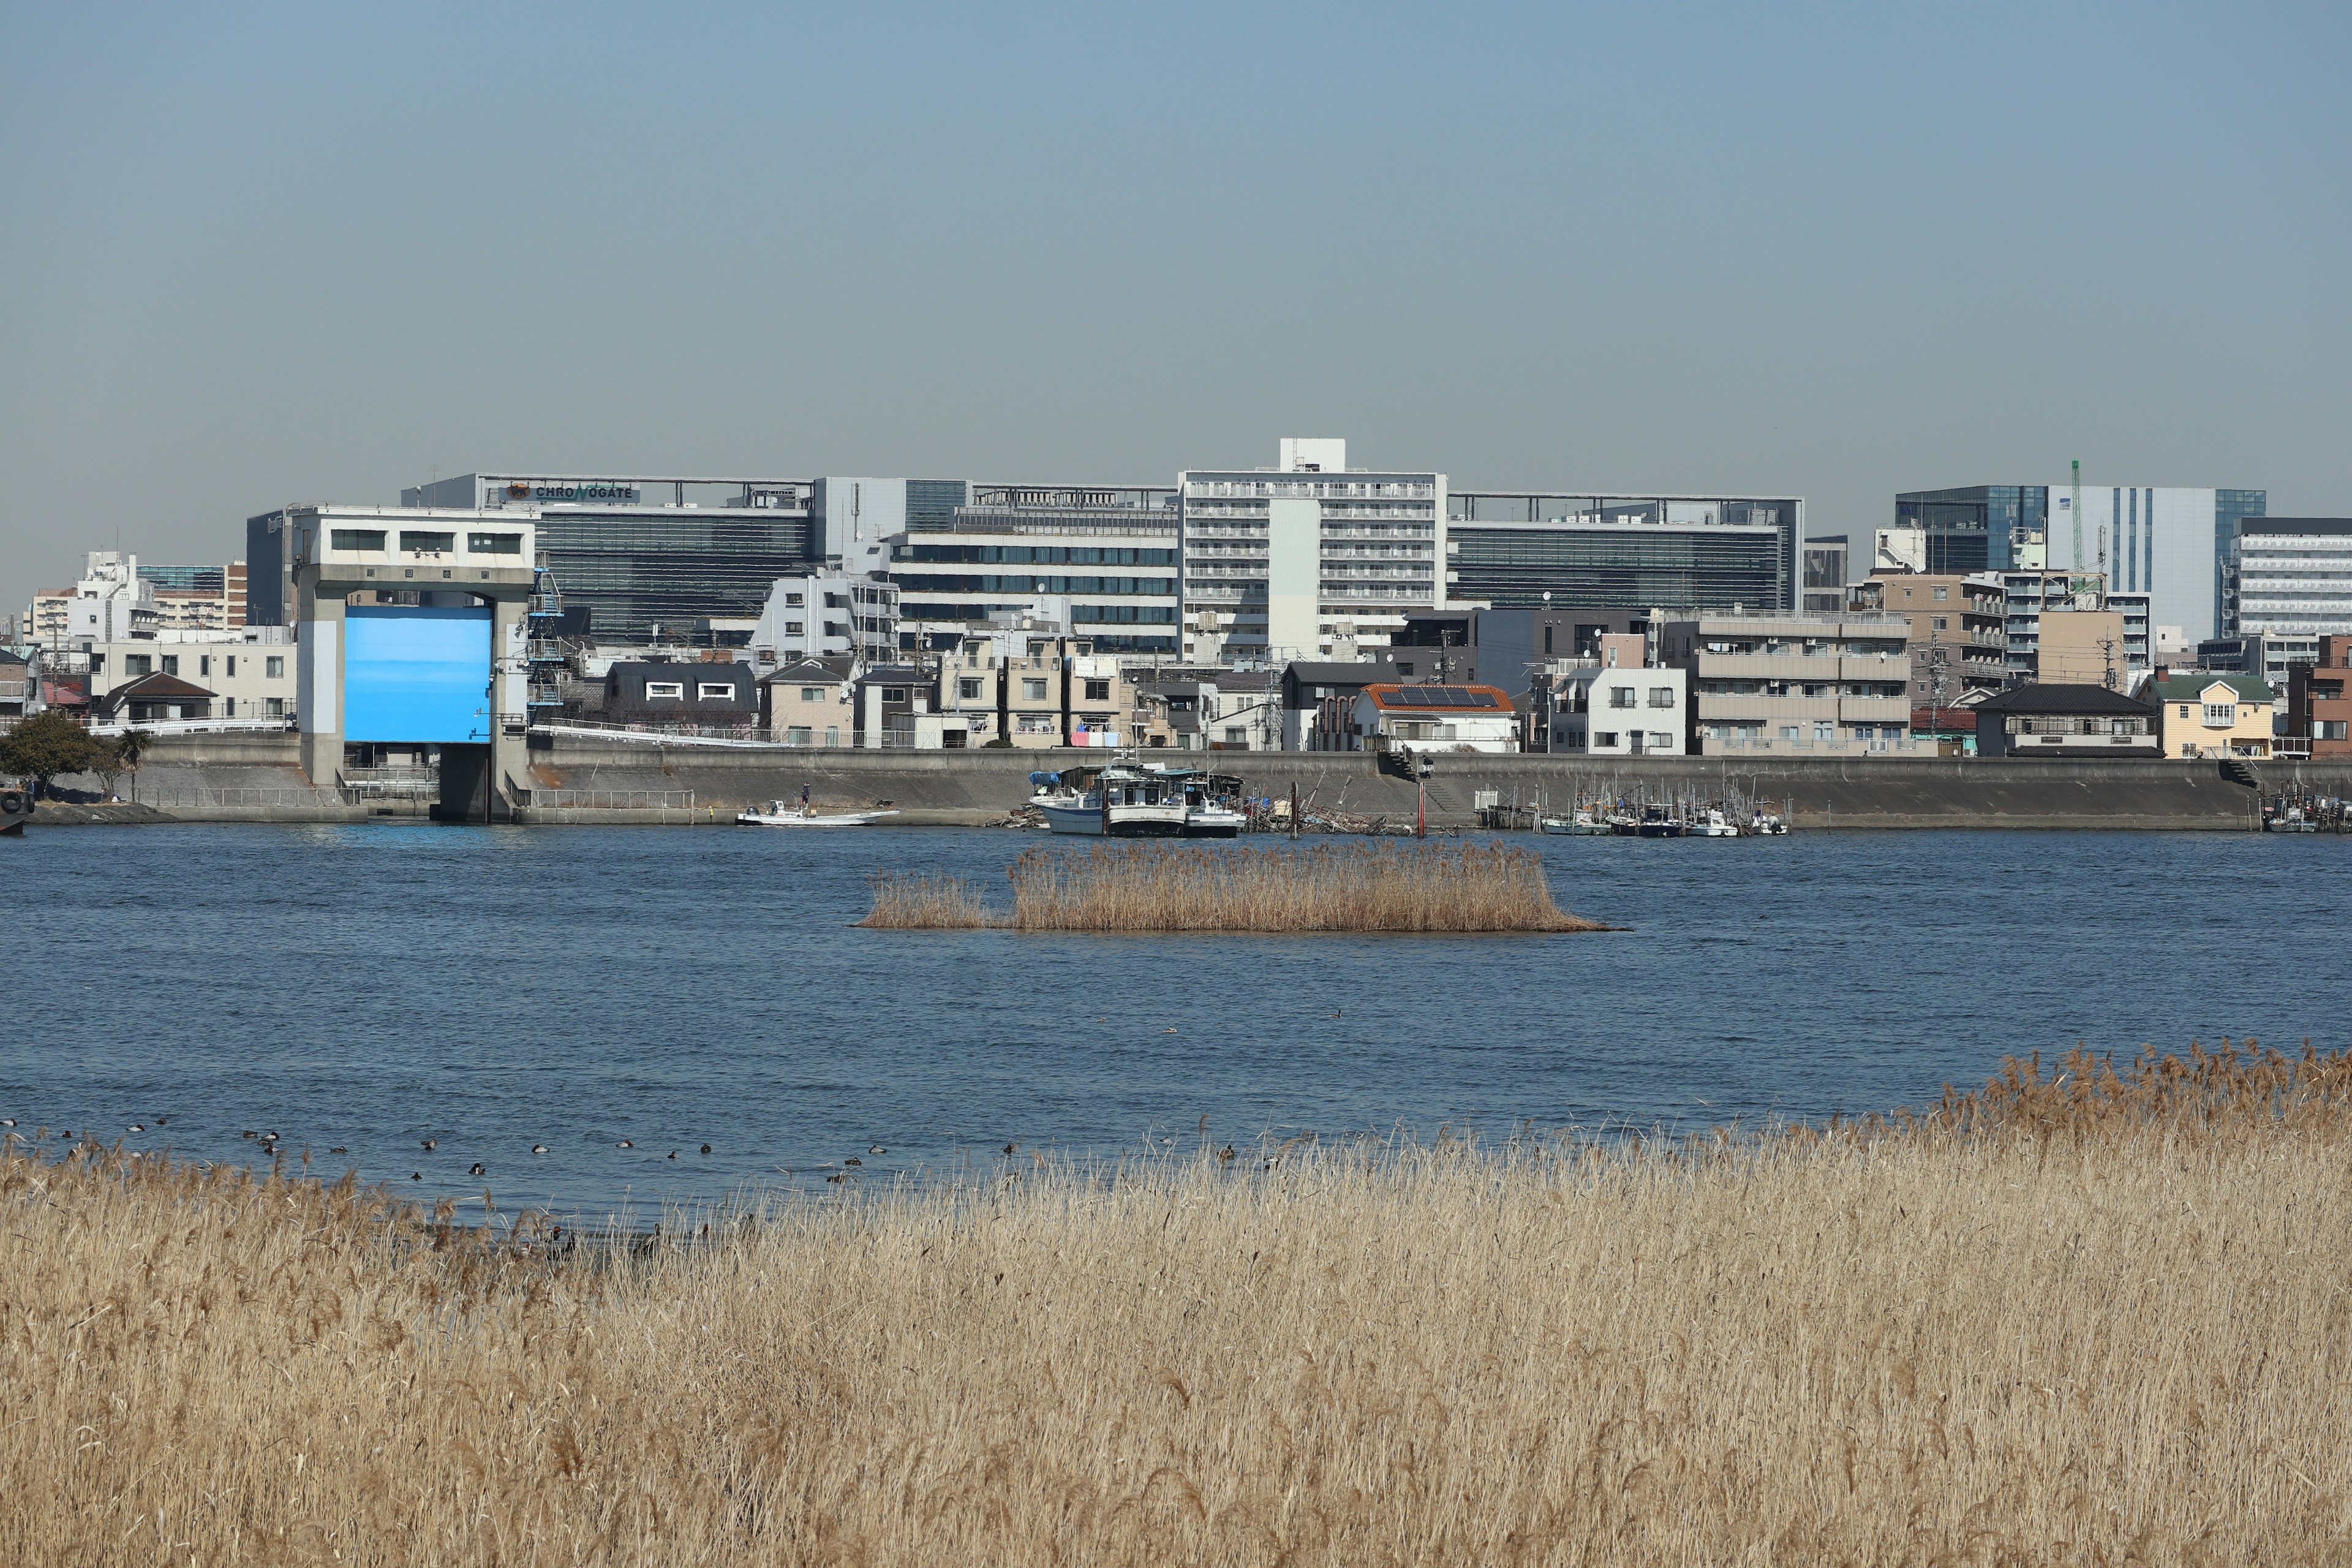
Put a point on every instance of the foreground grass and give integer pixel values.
(1123, 885)
(2070, 1319)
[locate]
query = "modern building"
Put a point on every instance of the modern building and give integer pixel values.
(1615, 706)
(709, 692)
(1508, 647)
(2166, 542)
(2203, 715)
(1223, 709)
(2288, 575)
(1823, 570)
(248, 674)
(1959, 641)
(647, 556)
(1307, 560)
(825, 615)
(198, 598)
(1827, 685)
(2319, 702)
(2067, 627)
(2070, 721)
(1510, 549)
(1103, 562)
(111, 602)
(2271, 655)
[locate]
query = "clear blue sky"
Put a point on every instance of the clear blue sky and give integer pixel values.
(255, 255)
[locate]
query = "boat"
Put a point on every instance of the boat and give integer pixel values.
(1580, 823)
(2291, 818)
(1657, 822)
(1715, 825)
(781, 814)
(1765, 823)
(1140, 800)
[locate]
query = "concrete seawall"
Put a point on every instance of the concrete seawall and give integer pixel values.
(255, 778)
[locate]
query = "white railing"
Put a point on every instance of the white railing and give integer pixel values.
(200, 727)
(612, 799)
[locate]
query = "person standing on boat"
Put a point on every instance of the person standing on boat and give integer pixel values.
(804, 806)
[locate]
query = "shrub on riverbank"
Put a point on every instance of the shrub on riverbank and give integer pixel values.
(2076, 1316)
(1132, 887)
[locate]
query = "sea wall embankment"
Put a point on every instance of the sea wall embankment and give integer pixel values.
(583, 779)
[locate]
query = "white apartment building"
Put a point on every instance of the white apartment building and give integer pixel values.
(1307, 560)
(1615, 705)
(1820, 684)
(110, 602)
(826, 613)
(2290, 577)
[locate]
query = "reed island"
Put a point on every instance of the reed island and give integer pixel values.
(2082, 1315)
(1141, 886)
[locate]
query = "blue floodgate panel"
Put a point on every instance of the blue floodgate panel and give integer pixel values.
(416, 673)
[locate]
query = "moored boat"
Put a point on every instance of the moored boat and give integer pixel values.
(780, 814)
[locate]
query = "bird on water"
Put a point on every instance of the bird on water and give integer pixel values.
(705, 1148)
(339, 1149)
(877, 1148)
(476, 1169)
(625, 1144)
(539, 1148)
(432, 1142)
(135, 1127)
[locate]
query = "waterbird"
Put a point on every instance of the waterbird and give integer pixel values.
(1169, 1030)
(875, 1149)
(161, 1119)
(625, 1144)
(7, 1121)
(853, 1160)
(136, 1127)
(432, 1142)
(705, 1148)
(416, 1175)
(476, 1169)
(269, 1138)
(672, 1155)
(838, 1176)
(249, 1132)
(539, 1148)
(339, 1149)
(1009, 1147)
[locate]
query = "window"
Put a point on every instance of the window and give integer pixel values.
(1097, 690)
(968, 689)
(138, 664)
(1788, 731)
(796, 599)
(1547, 642)
(2331, 730)
(1864, 732)
(355, 538)
(494, 545)
(812, 693)
(714, 692)
(170, 664)
(228, 706)
(835, 629)
(1943, 594)
(1033, 691)
(204, 664)
(1236, 735)
(232, 664)
(795, 628)
(1824, 729)
(2221, 715)
(1662, 697)
(1660, 741)
(274, 707)
(894, 694)
(273, 668)
(1943, 623)
(2184, 710)
(797, 735)
(1621, 697)
(665, 689)
(427, 542)
(2188, 748)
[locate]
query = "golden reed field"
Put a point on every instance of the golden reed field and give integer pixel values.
(2075, 1317)
(1123, 885)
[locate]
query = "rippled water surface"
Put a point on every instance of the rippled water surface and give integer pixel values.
(372, 987)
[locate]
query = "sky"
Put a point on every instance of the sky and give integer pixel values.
(253, 255)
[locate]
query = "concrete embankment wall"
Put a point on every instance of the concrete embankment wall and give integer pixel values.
(255, 778)
(983, 785)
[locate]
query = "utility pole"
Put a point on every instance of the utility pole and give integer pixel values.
(2075, 505)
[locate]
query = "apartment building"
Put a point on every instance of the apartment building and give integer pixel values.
(1034, 687)
(1959, 643)
(1809, 684)
(2289, 576)
(2319, 701)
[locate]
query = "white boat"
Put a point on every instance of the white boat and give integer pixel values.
(780, 814)
(1581, 823)
(1138, 800)
(1715, 825)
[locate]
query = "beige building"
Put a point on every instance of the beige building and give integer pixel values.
(2203, 715)
(2082, 647)
(247, 674)
(1818, 684)
(1956, 624)
(807, 703)
(1035, 686)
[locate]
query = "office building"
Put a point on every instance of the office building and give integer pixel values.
(1308, 560)
(647, 557)
(2271, 655)
(1823, 570)
(1102, 560)
(2168, 543)
(1824, 685)
(1509, 548)
(2290, 576)
(198, 598)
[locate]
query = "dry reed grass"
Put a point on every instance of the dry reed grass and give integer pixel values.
(2076, 1317)
(1131, 887)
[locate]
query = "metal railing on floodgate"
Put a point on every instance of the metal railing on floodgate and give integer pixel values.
(612, 799)
(746, 735)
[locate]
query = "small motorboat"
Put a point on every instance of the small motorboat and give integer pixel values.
(1715, 825)
(1579, 823)
(785, 813)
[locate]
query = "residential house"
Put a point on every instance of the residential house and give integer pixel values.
(2055, 721)
(1319, 701)
(2318, 700)
(1031, 686)
(807, 703)
(709, 692)
(1390, 717)
(249, 672)
(153, 700)
(2208, 714)
(1616, 711)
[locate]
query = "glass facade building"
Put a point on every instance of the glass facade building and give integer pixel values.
(1976, 528)
(1102, 562)
(1620, 565)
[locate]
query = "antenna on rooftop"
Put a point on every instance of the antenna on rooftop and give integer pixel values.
(2075, 505)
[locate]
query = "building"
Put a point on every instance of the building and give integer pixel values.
(1319, 701)
(1615, 705)
(2067, 627)
(2203, 714)
(111, 602)
(1033, 686)
(1959, 639)
(709, 692)
(198, 598)
(649, 556)
(1508, 647)
(16, 686)
(1821, 684)
(2070, 721)
(248, 675)
(1103, 562)
(807, 703)
(1510, 549)
(2271, 655)
(2318, 702)
(827, 614)
(1309, 558)
(1387, 717)
(2288, 576)
(1222, 709)
(1823, 574)
(2167, 542)
(152, 699)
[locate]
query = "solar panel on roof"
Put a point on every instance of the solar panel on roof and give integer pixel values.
(1444, 696)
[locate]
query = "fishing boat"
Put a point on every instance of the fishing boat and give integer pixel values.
(1580, 823)
(1657, 822)
(783, 814)
(1138, 800)
(1713, 824)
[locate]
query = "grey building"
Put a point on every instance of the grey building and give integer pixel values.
(1102, 560)
(1826, 562)
(1509, 547)
(1828, 685)
(1505, 648)
(677, 693)
(2288, 576)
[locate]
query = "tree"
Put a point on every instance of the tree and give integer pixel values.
(46, 745)
(120, 755)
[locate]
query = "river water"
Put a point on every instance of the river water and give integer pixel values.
(371, 987)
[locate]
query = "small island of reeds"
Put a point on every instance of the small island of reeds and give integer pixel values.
(1127, 887)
